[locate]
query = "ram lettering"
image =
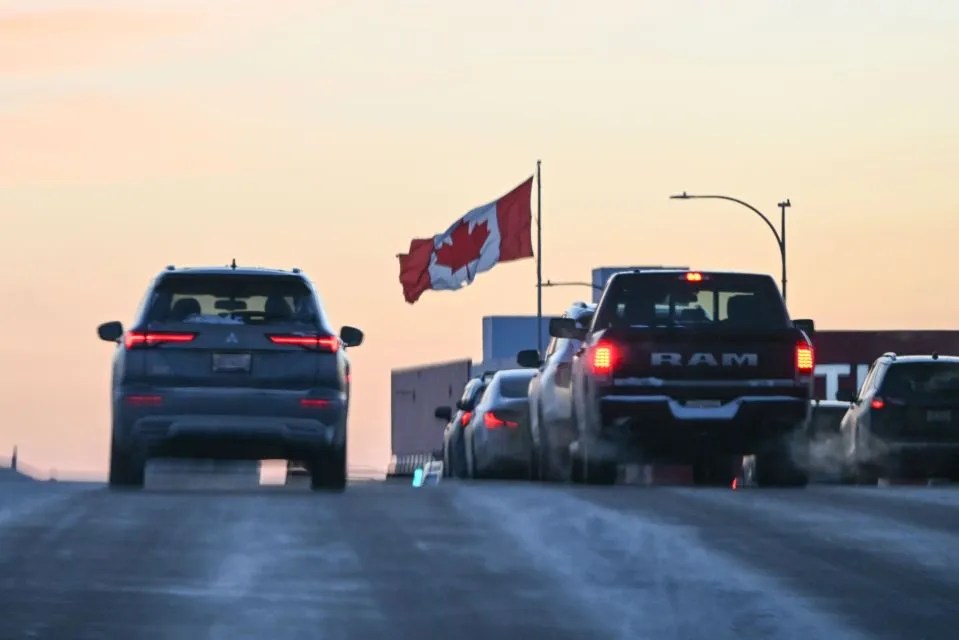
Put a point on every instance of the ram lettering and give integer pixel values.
(658, 359)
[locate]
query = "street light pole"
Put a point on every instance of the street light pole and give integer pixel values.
(780, 235)
(782, 238)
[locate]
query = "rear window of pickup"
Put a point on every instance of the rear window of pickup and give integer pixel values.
(692, 300)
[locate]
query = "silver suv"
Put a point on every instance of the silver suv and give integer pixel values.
(230, 363)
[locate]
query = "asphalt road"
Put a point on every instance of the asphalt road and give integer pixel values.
(487, 560)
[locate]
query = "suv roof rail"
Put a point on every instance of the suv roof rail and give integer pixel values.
(889, 354)
(935, 355)
(296, 270)
(171, 267)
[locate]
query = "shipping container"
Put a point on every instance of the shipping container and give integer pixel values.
(843, 357)
(416, 392)
(505, 336)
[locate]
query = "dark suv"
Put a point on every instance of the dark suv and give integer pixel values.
(230, 363)
(904, 420)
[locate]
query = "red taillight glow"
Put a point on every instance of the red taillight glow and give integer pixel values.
(314, 403)
(805, 358)
(877, 403)
(465, 418)
(603, 358)
(317, 343)
(492, 421)
(134, 339)
(693, 276)
(143, 400)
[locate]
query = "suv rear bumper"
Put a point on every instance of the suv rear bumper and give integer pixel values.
(895, 456)
(230, 423)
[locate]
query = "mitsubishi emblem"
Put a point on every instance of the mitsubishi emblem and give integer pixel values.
(232, 339)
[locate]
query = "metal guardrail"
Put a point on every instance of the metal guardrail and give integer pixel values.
(23, 470)
(404, 466)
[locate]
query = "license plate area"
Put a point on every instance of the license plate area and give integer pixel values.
(703, 404)
(938, 415)
(232, 362)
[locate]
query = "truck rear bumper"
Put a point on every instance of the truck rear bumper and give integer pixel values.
(660, 428)
(742, 409)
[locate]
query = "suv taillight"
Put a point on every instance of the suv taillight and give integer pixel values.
(316, 343)
(493, 421)
(805, 358)
(137, 339)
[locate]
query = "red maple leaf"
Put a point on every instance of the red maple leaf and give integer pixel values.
(465, 245)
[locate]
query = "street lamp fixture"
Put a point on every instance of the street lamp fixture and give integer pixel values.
(780, 235)
(550, 283)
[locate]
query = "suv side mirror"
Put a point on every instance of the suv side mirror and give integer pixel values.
(351, 336)
(806, 326)
(528, 358)
(566, 328)
(443, 413)
(110, 331)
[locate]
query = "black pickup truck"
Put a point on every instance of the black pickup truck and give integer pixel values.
(691, 367)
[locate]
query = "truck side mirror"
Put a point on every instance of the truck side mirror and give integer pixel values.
(806, 326)
(566, 328)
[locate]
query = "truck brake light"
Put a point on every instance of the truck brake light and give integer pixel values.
(694, 276)
(877, 403)
(805, 358)
(135, 339)
(604, 358)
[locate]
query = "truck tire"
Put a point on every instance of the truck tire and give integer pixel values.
(784, 463)
(127, 470)
(328, 471)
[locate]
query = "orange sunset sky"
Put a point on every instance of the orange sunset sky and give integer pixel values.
(326, 134)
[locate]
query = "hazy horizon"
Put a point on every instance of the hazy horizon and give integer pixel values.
(326, 135)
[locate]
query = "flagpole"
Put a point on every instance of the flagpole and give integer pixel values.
(539, 261)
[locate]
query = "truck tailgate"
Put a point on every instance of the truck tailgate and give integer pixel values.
(684, 355)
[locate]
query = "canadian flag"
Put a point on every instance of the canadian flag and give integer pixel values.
(495, 232)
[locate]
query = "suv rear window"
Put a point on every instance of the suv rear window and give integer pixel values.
(514, 386)
(733, 301)
(232, 299)
(919, 381)
(473, 392)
